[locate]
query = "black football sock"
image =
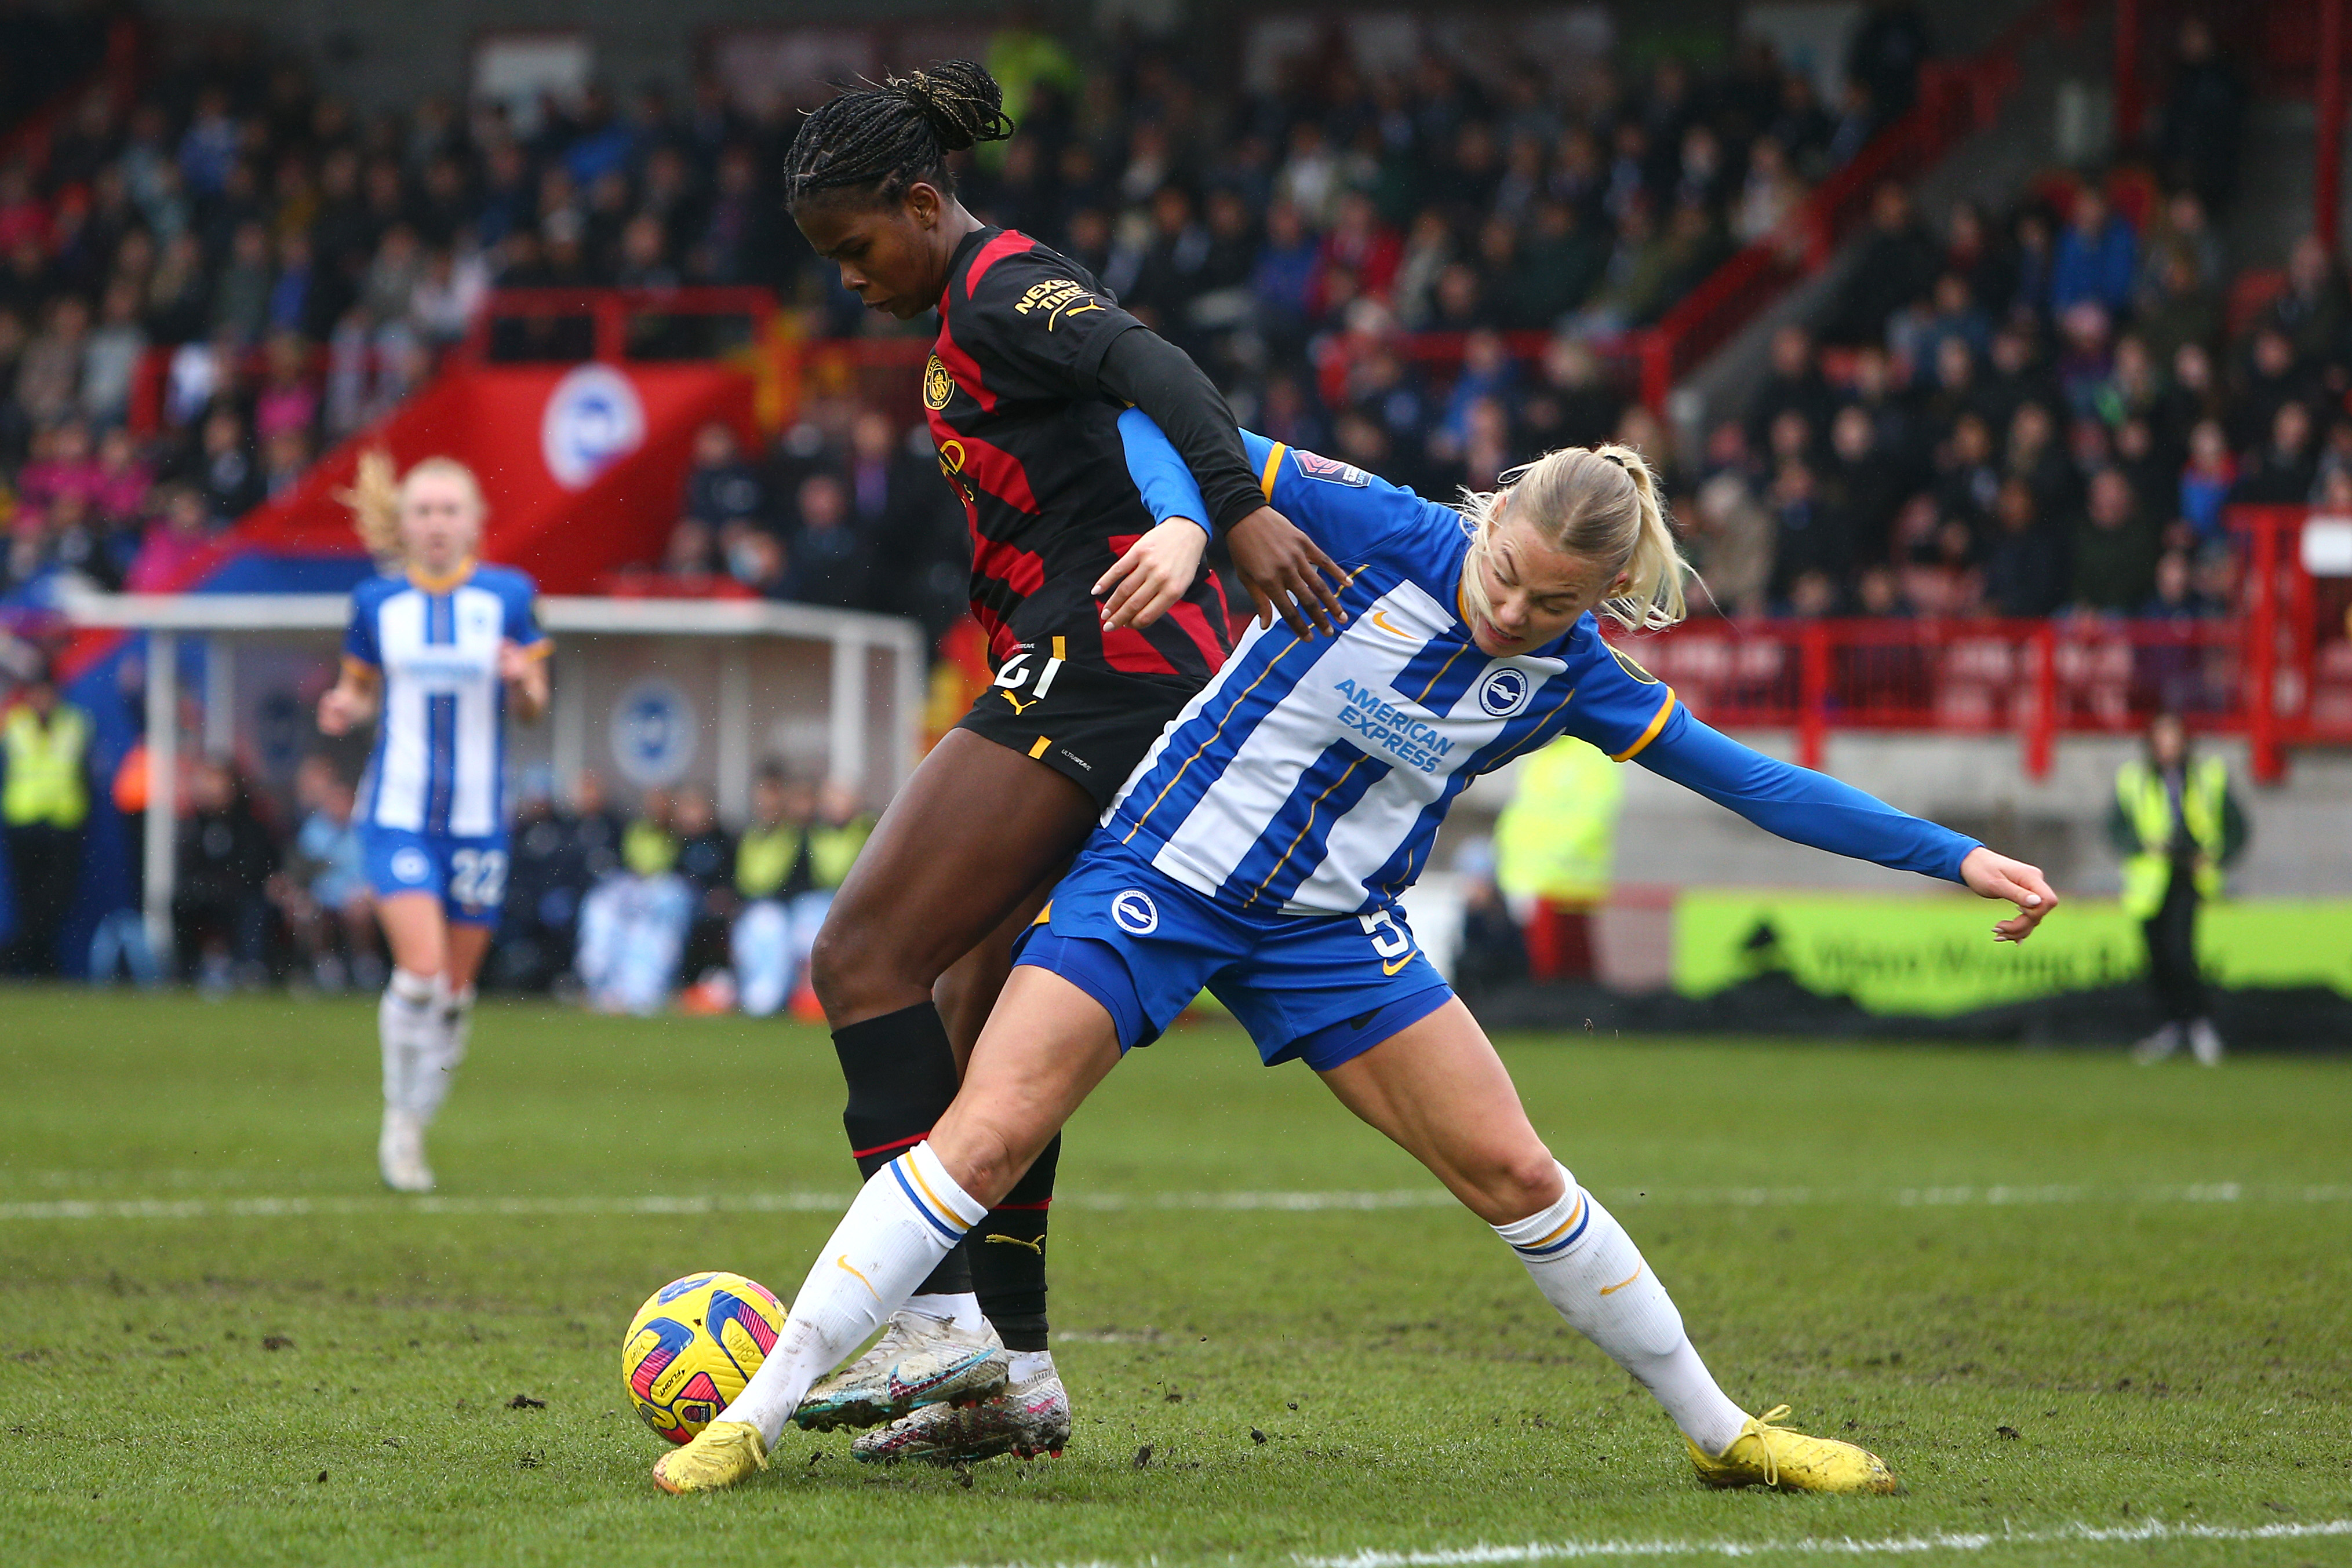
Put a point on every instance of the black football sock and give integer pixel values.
(1008, 1256)
(902, 1078)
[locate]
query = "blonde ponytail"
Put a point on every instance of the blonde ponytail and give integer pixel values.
(375, 495)
(374, 501)
(1600, 503)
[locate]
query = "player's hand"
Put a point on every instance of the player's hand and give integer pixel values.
(1997, 876)
(514, 660)
(338, 710)
(1157, 570)
(1284, 570)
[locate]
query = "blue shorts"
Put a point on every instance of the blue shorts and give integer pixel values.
(1317, 989)
(469, 873)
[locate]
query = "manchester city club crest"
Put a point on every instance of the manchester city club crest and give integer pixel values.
(938, 385)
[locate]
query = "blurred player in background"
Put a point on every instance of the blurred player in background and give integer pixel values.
(440, 656)
(1261, 849)
(1102, 623)
(2176, 823)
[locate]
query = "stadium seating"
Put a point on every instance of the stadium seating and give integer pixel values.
(236, 271)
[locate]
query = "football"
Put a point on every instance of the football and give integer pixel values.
(693, 1346)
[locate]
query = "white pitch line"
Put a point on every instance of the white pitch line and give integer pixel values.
(1842, 1546)
(1892, 1546)
(92, 1208)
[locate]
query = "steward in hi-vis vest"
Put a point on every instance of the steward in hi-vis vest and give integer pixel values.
(45, 757)
(2193, 834)
(44, 801)
(2176, 825)
(1555, 849)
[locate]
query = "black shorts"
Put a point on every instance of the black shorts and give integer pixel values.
(1091, 725)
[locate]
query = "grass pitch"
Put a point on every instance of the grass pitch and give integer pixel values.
(2090, 1314)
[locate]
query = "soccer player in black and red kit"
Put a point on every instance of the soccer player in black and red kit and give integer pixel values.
(1102, 623)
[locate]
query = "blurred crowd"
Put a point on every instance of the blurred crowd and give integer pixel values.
(2040, 410)
(297, 265)
(1423, 271)
(861, 522)
(198, 290)
(1299, 240)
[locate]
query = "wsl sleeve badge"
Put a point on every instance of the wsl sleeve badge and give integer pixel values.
(693, 1346)
(1313, 465)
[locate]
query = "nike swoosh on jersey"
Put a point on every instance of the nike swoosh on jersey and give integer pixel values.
(1400, 963)
(1380, 618)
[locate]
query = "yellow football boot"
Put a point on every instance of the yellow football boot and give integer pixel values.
(721, 1454)
(1764, 1455)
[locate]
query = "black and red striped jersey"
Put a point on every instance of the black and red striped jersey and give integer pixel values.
(1031, 445)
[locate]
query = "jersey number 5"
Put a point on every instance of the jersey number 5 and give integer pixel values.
(1387, 940)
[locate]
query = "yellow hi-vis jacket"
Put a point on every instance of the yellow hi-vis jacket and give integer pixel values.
(45, 783)
(764, 859)
(833, 850)
(647, 848)
(1556, 839)
(2140, 797)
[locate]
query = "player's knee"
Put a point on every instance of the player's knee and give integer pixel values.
(859, 965)
(1516, 1181)
(984, 1155)
(842, 966)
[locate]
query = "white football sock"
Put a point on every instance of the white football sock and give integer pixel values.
(441, 1048)
(961, 1308)
(1589, 1270)
(401, 1019)
(1028, 1365)
(907, 1218)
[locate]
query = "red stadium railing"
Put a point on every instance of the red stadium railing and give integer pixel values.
(524, 325)
(1957, 99)
(2279, 670)
(2298, 631)
(2035, 679)
(615, 324)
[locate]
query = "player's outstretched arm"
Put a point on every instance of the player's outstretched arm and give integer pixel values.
(1809, 808)
(1992, 876)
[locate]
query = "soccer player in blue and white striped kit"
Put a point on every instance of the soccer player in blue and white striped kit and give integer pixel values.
(1260, 849)
(441, 655)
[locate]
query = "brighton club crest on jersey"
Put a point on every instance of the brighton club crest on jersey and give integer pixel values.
(1504, 691)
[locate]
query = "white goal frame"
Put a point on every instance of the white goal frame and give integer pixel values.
(851, 636)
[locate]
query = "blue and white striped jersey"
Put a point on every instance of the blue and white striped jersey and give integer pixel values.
(1310, 775)
(439, 763)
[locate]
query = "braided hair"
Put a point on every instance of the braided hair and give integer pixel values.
(890, 137)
